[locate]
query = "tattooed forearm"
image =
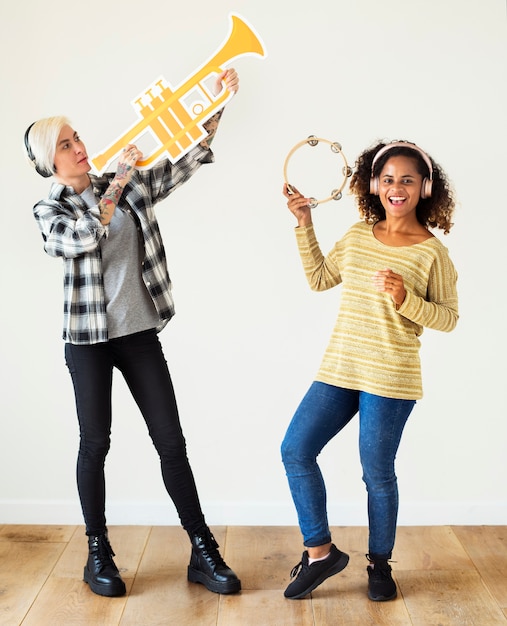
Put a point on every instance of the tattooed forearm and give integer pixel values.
(211, 126)
(106, 208)
(122, 172)
(109, 201)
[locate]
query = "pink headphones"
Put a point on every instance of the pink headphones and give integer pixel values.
(426, 183)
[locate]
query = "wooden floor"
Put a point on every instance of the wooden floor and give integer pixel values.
(446, 575)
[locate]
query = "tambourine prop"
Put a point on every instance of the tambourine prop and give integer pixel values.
(336, 148)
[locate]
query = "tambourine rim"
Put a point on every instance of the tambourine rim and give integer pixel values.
(306, 141)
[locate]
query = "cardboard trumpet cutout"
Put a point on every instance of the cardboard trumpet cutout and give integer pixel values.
(175, 116)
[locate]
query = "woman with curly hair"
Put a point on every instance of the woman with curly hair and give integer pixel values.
(396, 278)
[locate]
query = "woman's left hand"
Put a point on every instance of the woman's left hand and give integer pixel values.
(391, 283)
(231, 79)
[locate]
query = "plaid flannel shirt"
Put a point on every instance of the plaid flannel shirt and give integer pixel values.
(72, 231)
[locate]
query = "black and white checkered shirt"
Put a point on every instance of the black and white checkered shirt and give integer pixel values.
(72, 231)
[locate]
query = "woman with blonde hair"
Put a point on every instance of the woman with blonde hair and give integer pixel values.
(117, 298)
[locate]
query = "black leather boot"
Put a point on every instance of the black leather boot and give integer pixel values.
(100, 572)
(208, 567)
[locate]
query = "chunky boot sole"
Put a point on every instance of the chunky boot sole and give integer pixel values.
(224, 587)
(112, 590)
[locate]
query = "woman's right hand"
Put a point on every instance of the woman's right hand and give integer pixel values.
(130, 155)
(298, 205)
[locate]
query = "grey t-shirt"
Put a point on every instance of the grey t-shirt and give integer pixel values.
(129, 306)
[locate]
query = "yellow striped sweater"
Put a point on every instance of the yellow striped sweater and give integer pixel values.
(374, 347)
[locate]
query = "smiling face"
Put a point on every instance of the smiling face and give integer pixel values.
(400, 186)
(71, 160)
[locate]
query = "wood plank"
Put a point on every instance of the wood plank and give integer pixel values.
(25, 567)
(36, 533)
(69, 602)
(446, 576)
(264, 607)
(169, 598)
(263, 556)
(354, 541)
(161, 594)
(448, 598)
(429, 548)
(487, 546)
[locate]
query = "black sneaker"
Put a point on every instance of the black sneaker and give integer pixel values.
(308, 577)
(381, 586)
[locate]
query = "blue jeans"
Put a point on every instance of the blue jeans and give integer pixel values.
(322, 414)
(140, 359)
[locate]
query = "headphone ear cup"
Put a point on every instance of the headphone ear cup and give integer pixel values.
(426, 188)
(42, 171)
(374, 183)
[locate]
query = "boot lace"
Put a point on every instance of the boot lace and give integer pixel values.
(103, 552)
(210, 550)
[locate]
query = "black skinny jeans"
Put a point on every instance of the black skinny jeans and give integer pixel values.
(140, 359)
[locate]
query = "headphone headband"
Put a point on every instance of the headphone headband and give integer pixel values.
(40, 170)
(27, 143)
(427, 182)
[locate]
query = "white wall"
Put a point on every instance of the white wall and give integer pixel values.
(249, 334)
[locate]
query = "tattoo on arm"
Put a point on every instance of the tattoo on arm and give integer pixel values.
(106, 208)
(109, 201)
(122, 171)
(211, 126)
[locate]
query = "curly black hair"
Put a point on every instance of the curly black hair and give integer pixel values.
(433, 212)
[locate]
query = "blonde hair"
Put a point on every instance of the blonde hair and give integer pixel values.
(40, 143)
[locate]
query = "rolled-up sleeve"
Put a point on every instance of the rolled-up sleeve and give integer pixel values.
(65, 235)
